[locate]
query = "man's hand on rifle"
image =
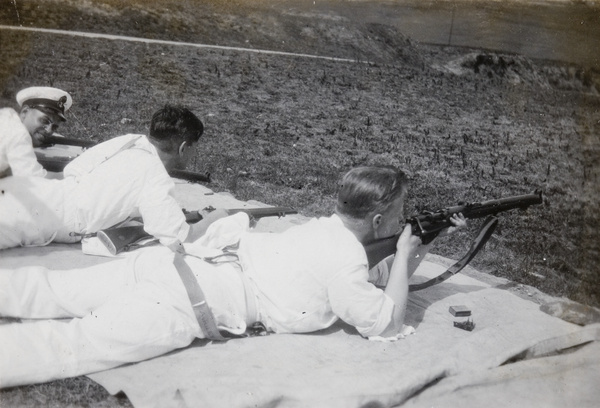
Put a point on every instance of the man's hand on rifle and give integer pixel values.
(412, 247)
(208, 217)
(408, 243)
(458, 222)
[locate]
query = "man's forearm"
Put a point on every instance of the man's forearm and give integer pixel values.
(415, 260)
(402, 268)
(397, 290)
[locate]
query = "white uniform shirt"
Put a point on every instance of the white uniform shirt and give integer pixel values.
(16, 150)
(109, 184)
(310, 275)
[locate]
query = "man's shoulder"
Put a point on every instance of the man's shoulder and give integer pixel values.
(341, 237)
(9, 114)
(113, 145)
(122, 139)
(130, 136)
(331, 231)
(96, 155)
(12, 130)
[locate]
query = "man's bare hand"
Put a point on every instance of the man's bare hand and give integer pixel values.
(458, 222)
(407, 243)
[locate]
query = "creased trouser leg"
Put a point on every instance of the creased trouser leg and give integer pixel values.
(36, 292)
(31, 211)
(151, 319)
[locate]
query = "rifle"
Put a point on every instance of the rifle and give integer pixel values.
(56, 152)
(61, 140)
(190, 176)
(122, 239)
(52, 160)
(428, 224)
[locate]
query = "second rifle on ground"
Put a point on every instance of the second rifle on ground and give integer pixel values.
(123, 239)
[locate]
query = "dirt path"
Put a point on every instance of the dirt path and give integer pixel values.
(554, 30)
(166, 42)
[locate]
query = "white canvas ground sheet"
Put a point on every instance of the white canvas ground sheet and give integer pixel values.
(439, 365)
(337, 368)
(569, 380)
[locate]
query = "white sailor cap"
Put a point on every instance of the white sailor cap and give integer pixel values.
(46, 99)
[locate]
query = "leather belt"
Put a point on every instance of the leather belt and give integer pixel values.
(203, 314)
(251, 307)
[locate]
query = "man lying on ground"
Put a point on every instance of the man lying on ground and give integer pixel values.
(120, 178)
(301, 280)
(42, 110)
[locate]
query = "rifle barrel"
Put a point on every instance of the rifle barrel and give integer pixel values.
(261, 212)
(478, 210)
(428, 222)
(189, 175)
(60, 140)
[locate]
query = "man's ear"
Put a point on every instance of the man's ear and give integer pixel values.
(377, 219)
(182, 147)
(23, 112)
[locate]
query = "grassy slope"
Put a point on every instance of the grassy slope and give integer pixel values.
(283, 129)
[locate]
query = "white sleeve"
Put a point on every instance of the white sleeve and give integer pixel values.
(20, 154)
(162, 215)
(359, 303)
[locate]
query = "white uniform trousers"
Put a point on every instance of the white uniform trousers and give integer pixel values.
(122, 311)
(35, 211)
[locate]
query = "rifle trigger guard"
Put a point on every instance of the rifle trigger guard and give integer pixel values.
(421, 230)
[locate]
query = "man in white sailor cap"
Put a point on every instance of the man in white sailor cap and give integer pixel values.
(41, 111)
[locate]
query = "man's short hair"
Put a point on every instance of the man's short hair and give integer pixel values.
(364, 190)
(172, 125)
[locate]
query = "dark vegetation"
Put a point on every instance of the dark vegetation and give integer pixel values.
(468, 125)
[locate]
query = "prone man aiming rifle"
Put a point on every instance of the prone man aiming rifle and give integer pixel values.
(429, 224)
(55, 159)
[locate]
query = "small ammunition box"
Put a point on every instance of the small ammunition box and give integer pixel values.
(469, 325)
(460, 311)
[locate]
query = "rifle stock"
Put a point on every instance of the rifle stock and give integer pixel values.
(55, 164)
(428, 224)
(122, 239)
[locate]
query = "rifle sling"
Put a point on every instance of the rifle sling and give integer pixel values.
(483, 236)
(204, 315)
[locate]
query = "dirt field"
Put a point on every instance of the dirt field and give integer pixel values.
(467, 124)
